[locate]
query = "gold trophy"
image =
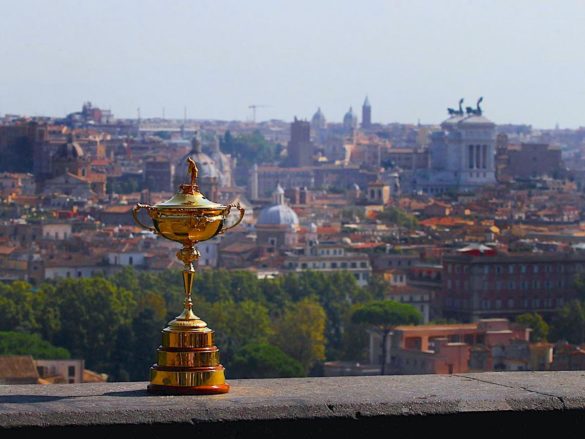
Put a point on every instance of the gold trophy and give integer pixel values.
(188, 360)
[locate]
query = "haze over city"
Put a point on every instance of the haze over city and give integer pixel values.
(413, 58)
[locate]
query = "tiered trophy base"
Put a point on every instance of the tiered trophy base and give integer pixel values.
(187, 363)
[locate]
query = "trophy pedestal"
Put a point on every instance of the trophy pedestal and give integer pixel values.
(187, 364)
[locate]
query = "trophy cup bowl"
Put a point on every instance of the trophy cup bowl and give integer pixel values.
(188, 360)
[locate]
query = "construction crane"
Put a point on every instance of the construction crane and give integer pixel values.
(254, 107)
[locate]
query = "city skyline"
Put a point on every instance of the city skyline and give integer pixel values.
(413, 59)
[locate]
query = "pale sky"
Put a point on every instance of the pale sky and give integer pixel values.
(413, 58)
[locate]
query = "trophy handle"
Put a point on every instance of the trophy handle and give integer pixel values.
(137, 221)
(242, 211)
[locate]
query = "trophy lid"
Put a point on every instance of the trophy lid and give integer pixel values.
(189, 196)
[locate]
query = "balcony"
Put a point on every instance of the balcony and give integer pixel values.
(513, 404)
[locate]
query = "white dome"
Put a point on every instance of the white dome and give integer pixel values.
(318, 120)
(223, 165)
(205, 164)
(279, 214)
(350, 119)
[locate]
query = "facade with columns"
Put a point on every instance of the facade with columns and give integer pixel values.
(462, 155)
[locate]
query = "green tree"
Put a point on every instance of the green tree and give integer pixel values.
(336, 293)
(263, 360)
(300, 332)
(236, 324)
(355, 339)
(569, 323)
(378, 287)
(90, 312)
(399, 217)
(248, 149)
(18, 343)
(17, 307)
(535, 322)
(384, 315)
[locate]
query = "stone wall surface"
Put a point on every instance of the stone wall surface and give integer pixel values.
(513, 404)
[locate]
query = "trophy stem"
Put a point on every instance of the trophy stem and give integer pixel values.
(188, 277)
(188, 254)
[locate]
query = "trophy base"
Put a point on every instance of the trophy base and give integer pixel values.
(188, 364)
(195, 390)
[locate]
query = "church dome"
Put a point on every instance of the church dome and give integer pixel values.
(350, 119)
(279, 213)
(318, 120)
(205, 164)
(223, 164)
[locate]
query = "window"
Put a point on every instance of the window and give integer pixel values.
(353, 265)
(511, 269)
(130, 260)
(498, 269)
(512, 285)
(535, 268)
(510, 303)
(522, 268)
(71, 371)
(334, 265)
(363, 265)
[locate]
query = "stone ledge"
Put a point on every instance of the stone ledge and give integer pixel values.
(519, 402)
